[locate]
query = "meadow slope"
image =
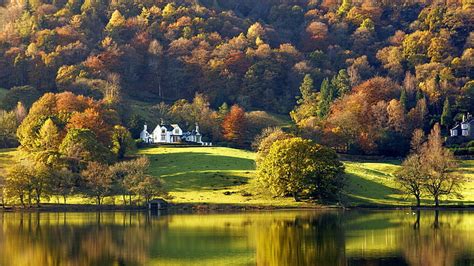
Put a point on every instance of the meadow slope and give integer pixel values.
(225, 175)
(219, 175)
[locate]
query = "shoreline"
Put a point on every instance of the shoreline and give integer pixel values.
(219, 208)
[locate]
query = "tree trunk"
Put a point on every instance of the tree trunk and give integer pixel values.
(417, 222)
(29, 199)
(64, 199)
(418, 201)
(38, 199)
(436, 199)
(295, 196)
(436, 219)
(98, 200)
(124, 198)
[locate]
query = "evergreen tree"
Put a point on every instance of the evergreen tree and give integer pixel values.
(223, 110)
(326, 97)
(341, 83)
(306, 89)
(404, 100)
(446, 116)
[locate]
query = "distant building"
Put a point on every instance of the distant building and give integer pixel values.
(171, 133)
(465, 128)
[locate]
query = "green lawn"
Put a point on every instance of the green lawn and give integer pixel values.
(370, 183)
(210, 175)
(225, 176)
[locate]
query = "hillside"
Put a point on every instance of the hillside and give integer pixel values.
(219, 175)
(409, 62)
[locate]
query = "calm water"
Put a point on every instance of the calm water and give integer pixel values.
(269, 238)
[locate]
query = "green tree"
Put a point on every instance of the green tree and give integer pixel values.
(300, 167)
(326, 97)
(122, 142)
(306, 104)
(306, 89)
(8, 126)
(446, 116)
(48, 142)
(24, 94)
(341, 83)
(81, 146)
(404, 99)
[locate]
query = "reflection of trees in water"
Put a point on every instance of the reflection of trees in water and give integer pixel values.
(309, 240)
(43, 239)
(432, 244)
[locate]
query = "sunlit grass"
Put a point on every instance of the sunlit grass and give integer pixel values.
(219, 175)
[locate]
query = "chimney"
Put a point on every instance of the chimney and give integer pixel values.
(463, 118)
(197, 128)
(145, 127)
(161, 122)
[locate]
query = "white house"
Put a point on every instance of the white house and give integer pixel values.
(171, 133)
(465, 129)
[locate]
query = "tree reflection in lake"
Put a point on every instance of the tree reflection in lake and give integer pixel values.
(437, 243)
(266, 238)
(303, 240)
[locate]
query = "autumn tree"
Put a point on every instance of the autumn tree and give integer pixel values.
(440, 163)
(411, 177)
(234, 125)
(263, 142)
(98, 181)
(125, 175)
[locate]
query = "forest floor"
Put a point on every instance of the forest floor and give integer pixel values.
(226, 177)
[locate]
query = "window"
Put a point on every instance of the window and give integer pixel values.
(176, 131)
(163, 131)
(465, 133)
(163, 137)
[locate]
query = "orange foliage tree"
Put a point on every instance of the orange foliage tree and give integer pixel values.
(233, 126)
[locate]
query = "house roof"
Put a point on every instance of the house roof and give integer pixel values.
(455, 127)
(469, 121)
(168, 127)
(191, 133)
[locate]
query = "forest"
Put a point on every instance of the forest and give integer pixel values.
(358, 76)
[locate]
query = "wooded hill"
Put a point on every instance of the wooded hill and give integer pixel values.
(366, 73)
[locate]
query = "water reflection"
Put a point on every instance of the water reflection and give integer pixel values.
(272, 238)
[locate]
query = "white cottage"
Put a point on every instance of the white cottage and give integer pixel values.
(465, 128)
(171, 133)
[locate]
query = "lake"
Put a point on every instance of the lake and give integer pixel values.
(355, 237)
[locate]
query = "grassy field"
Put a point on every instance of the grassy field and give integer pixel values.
(210, 175)
(225, 176)
(372, 183)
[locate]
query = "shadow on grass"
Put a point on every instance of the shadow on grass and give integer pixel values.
(184, 171)
(368, 192)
